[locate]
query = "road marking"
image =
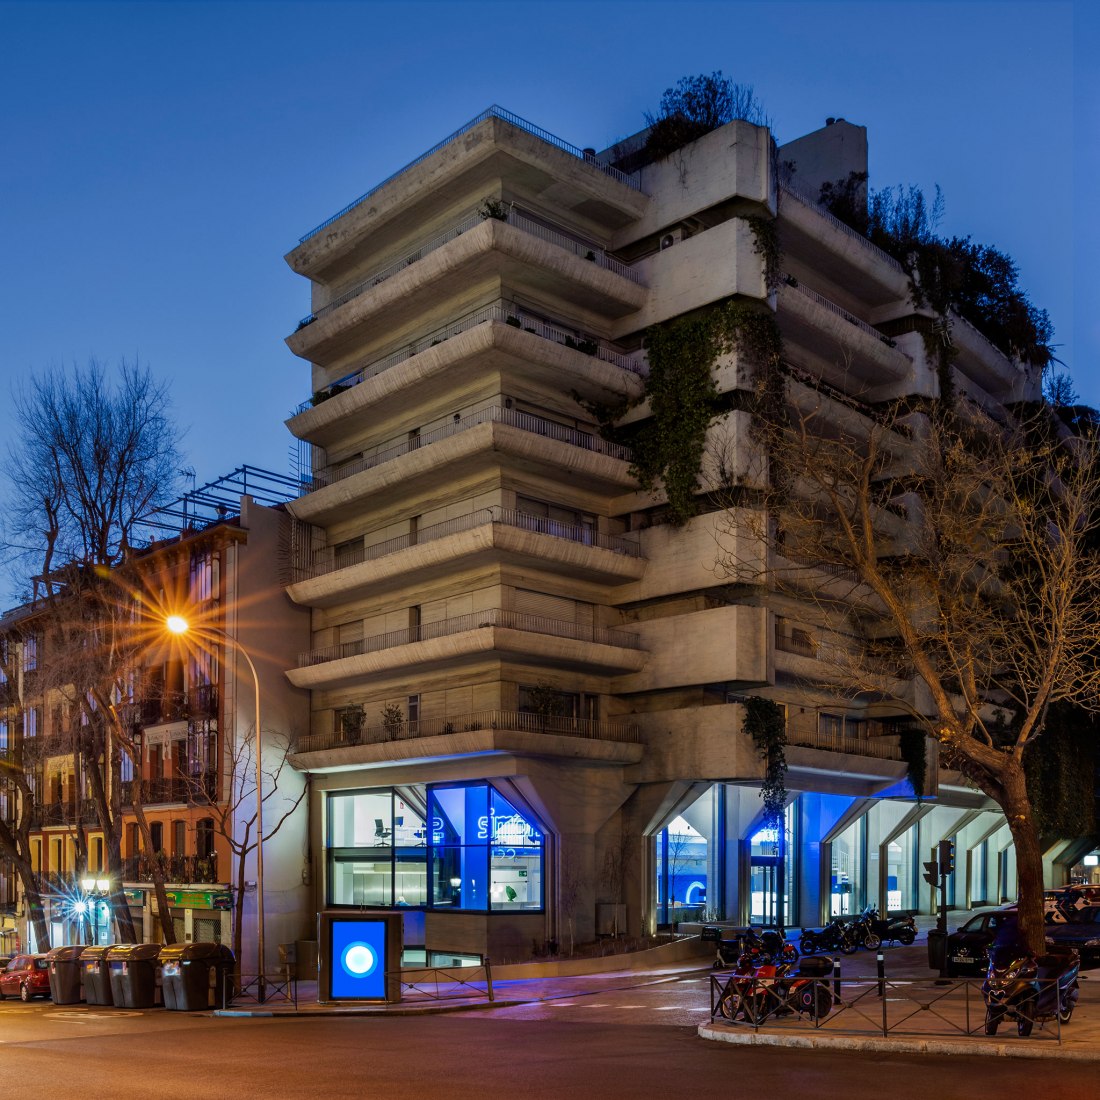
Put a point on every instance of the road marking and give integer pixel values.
(61, 1014)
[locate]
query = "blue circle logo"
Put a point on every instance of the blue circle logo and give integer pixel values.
(358, 960)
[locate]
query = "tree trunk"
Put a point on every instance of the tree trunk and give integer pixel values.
(164, 915)
(32, 901)
(120, 907)
(238, 911)
(1029, 856)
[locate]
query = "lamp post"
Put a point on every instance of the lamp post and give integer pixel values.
(95, 890)
(177, 624)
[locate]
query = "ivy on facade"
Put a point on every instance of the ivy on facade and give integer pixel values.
(766, 724)
(914, 751)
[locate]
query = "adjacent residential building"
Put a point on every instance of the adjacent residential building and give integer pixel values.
(217, 558)
(527, 687)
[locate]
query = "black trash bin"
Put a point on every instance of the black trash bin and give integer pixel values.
(133, 970)
(937, 950)
(193, 973)
(63, 963)
(97, 978)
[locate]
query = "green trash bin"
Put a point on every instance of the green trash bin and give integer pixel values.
(133, 974)
(63, 963)
(96, 976)
(195, 976)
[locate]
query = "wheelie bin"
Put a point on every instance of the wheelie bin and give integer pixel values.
(97, 978)
(63, 963)
(133, 970)
(193, 973)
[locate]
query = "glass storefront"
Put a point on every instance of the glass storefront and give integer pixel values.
(681, 873)
(848, 862)
(463, 847)
(772, 872)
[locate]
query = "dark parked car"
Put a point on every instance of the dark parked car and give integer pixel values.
(1066, 903)
(25, 977)
(1082, 932)
(967, 948)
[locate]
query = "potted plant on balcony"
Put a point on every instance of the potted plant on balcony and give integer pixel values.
(393, 718)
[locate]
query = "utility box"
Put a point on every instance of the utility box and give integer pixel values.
(359, 957)
(63, 963)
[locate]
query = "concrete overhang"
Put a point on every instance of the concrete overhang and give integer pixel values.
(493, 253)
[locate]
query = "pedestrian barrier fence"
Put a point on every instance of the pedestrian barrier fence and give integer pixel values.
(878, 1005)
(440, 983)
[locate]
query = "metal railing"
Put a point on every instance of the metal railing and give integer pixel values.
(65, 813)
(330, 559)
(499, 311)
(805, 199)
(458, 981)
(477, 620)
(883, 746)
(840, 311)
(490, 112)
(516, 217)
(526, 422)
(181, 869)
(349, 728)
(200, 789)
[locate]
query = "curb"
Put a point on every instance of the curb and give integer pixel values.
(364, 1010)
(977, 1047)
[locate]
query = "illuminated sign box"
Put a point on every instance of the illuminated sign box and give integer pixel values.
(360, 957)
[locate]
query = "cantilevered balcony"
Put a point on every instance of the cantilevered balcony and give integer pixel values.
(822, 242)
(830, 341)
(494, 632)
(342, 737)
(491, 436)
(521, 254)
(494, 146)
(500, 534)
(497, 337)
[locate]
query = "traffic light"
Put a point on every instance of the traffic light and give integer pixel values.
(947, 857)
(932, 873)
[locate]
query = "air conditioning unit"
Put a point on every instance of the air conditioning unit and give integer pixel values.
(673, 236)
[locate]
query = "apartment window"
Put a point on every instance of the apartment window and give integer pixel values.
(348, 552)
(133, 836)
(179, 838)
(548, 702)
(57, 866)
(156, 836)
(831, 724)
(413, 712)
(555, 519)
(32, 720)
(204, 838)
(30, 653)
(96, 856)
(5, 729)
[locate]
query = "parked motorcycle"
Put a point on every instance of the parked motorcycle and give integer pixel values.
(858, 933)
(1027, 988)
(767, 944)
(757, 989)
(894, 928)
(821, 939)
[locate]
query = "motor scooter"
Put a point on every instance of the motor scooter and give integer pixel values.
(894, 927)
(1028, 988)
(786, 984)
(767, 944)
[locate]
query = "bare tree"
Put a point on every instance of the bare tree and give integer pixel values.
(949, 564)
(234, 815)
(94, 452)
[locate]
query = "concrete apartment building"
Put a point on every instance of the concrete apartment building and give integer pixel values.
(526, 721)
(218, 559)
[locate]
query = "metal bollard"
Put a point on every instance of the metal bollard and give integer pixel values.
(836, 979)
(881, 962)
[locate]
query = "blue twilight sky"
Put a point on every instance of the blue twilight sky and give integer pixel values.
(159, 158)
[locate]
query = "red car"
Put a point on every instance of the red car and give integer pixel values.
(25, 977)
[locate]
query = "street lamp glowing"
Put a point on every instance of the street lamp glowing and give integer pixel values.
(177, 624)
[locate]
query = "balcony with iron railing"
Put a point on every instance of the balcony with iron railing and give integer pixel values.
(502, 312)
(515, 216)
(526, 422)
(64, 812)
(199, 789)
(491, 112)
(179, 870)
(349, 728)
(329, 560)
(478, 620)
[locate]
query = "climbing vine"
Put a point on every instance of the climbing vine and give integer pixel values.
(766, 246)
(914, 751)
(766, 724)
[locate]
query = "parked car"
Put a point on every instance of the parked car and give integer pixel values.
(25, 977)
(1064, 903)
(968, 946)
(1081, 932)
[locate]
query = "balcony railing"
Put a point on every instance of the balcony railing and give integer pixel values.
(878, 740)
(578, 246)
(64, 813)
(202, 701)
(200, 789)
(805, 199)
(347, 730)
(494, 414)
(491, 617)
(329, 559)
(498, 311)
(840, 311)
(491, 112)
(176, 869)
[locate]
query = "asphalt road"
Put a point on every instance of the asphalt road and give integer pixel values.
(633, 1041)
